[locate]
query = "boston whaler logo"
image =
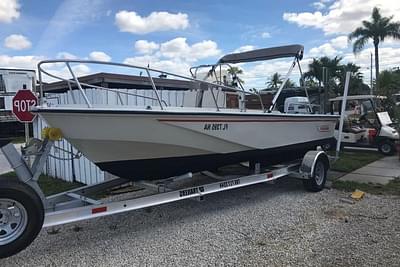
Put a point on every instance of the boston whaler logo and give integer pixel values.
(323, 128)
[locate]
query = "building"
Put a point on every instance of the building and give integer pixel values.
(12, 80)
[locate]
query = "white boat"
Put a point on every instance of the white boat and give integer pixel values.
(158, 141)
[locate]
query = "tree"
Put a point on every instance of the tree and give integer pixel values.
(234, 71)
(377, 29)
(356, 84)
(289, 84)
(389, 82)
(275, 80)
(316, 69)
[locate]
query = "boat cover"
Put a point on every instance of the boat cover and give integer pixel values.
(264, 54)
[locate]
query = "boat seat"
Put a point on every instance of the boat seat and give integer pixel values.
(356, 130)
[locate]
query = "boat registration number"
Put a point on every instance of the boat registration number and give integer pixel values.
(216, 126)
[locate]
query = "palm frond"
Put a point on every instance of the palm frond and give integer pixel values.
(376, 15)
(360, 31)
(359, 44)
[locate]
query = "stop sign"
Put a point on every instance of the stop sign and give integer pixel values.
(22, 102)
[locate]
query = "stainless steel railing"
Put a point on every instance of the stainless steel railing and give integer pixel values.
(75, 80)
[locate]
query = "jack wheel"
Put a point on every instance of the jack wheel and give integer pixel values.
(21, 216)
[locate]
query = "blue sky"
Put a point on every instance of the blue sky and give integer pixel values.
(177, 34)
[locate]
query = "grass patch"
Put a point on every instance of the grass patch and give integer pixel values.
(392, 188)
(50, 185)
(18, 140)
(351, 160)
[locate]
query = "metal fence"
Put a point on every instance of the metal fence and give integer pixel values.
(60, 163)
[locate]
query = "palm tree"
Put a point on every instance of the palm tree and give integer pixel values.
(289, 84)
(316, 68)
(275, 80)
(356, 85)
(234, 71)
(315, 71)
(377, 29)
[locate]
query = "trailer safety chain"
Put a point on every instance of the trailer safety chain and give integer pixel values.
(78, 154)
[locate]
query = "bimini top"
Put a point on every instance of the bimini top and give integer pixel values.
(264, 54)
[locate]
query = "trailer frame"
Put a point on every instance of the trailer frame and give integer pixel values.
(76, 204)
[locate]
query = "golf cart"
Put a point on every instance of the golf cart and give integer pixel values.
(366, 124)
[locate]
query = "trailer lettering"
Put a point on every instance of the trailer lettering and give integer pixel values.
(229, 183)
(216, 126)
(191, 191)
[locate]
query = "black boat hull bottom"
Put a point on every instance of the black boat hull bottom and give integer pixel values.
(161, 168)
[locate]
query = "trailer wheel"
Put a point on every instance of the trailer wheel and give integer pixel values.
(386, 147)
(317, 181)
(21, 216)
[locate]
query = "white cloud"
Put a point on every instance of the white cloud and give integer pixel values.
(66, 55)
(99, 56)
(204, 49)
(244, 48)
(343, 16)
(388, 57)
(265, 35)
(318, 5)
(9, 10)
(20, 62)
(175, 48)
(146, 47)
(179, 48)
(323, 50)
(169, 65)
(62, 71)
(330, 49)
(340, 42)
(30, 62)
(17, 42)
(156, 21)
(174, 56)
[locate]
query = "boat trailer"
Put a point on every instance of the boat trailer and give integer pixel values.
(25, 210)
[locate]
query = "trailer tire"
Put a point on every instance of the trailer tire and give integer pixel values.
(21, 216)
(318, 178)
(387, 147)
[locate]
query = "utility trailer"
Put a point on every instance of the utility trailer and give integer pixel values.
(24, 209)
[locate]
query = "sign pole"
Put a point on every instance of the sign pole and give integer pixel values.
(26, 132)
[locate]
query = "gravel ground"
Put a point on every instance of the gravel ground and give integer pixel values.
(274, 225)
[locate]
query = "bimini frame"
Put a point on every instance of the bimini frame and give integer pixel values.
(295, 51)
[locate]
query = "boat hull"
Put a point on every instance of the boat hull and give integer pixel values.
(148, 145)
(159, 168)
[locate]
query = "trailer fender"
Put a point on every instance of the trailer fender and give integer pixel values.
(310, 159)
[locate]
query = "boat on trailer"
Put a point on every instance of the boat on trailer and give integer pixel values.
(159, 141)
(25, 210)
